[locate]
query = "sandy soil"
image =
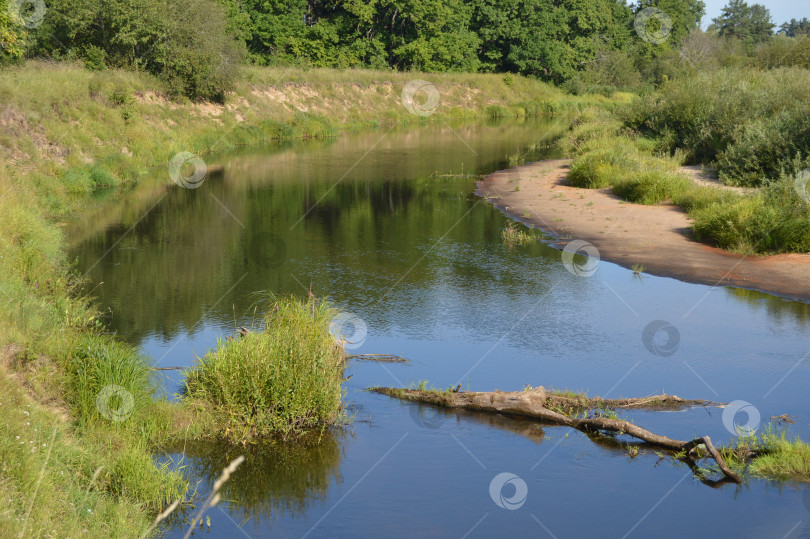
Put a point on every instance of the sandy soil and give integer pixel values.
(659, 237)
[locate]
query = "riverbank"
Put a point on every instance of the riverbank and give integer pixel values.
(658, 237)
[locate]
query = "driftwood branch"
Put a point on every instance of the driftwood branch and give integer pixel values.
(563, 410)
(385, 358)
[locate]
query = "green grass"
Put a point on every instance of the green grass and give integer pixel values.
(284, 379)
(770, 454)
(73, 131)
(60, 482)
(786, 459)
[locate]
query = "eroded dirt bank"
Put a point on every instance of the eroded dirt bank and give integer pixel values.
(659, 237)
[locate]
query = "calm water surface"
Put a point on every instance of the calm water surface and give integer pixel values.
(387, 226)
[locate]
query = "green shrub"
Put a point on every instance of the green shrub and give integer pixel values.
(575, 86)
(763, 149)
(283, 379)
(85, 180)
(716, 114)
(496, 111)
(95, 58)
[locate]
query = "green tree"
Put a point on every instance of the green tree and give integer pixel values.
(498, 24)
(12, 36)
(196, 55)
(684, 17)
(796, 28)
(185, 42)
(431, 35)
(749, 23)
(125, 30)
(559, 38)
(275, 29)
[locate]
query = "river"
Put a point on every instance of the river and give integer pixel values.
(386, 225)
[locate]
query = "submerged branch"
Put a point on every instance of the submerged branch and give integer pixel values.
(559, 409)
(386, 358)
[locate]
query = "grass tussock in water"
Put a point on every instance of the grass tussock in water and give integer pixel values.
(770, 454)
(281, 380)
(788, 459)
(512, 235)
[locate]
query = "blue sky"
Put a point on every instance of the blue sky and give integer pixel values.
(781, 10)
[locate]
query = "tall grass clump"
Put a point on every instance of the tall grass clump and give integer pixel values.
(605, 156)
(651, 186)
(774, 220)
(281, 380)
(786, 459)
(591, 123)
(770, 454)
(602, 160)
(100, 366)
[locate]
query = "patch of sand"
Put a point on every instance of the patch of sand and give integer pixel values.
(659, 237)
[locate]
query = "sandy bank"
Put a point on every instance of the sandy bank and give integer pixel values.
(659, 237)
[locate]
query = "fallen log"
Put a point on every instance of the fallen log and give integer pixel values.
(564, 410)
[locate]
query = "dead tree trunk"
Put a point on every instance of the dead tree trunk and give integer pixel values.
(535, 403)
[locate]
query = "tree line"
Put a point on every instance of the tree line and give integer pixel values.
(196, 46)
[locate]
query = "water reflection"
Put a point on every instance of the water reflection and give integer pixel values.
(277, 479)
(774, 306)
(279, 221)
